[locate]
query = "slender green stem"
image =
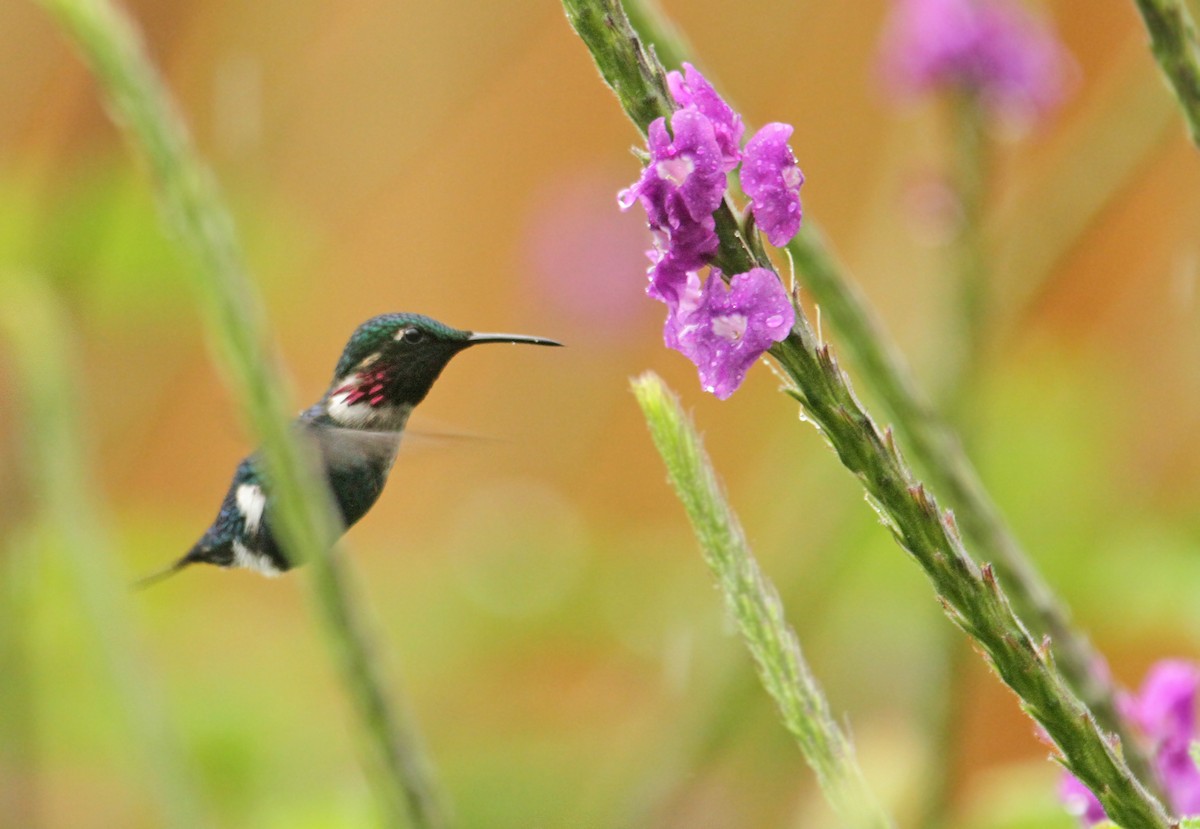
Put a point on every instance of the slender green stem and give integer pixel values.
(754, 604)
(973, 598)
(1095, 160)
(1173, 41)
(19, 761)
(194, 211)
(971, 283)
(603, 27)
(32, 320)
(970, 263)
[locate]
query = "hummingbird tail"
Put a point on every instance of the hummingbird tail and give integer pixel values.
(164, 573)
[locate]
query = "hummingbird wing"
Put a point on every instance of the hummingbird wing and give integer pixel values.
(356, 463)
(341, 447)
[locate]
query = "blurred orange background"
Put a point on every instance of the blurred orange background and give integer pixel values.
(532, 578)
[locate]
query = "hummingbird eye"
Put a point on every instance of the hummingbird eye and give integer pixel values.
(413, 335)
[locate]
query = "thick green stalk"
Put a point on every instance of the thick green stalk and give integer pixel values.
(755, 606)
(1173, 41)
(143, 109)
(61, 487)
(932, 442)
(971, 596)
(1029, 670)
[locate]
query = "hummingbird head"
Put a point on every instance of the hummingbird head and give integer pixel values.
(391, 362)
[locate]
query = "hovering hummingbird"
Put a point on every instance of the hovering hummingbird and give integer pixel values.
(386, 369)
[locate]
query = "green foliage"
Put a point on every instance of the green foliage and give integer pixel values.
(35, 325)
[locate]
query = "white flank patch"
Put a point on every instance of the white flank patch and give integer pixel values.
(243, 556)
(250, 503)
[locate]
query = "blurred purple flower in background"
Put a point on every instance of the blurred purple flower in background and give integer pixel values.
(573, 246)
(995, 51)
(722, 329)
(1164, 714)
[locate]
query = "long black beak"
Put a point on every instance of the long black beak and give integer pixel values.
(477, 338)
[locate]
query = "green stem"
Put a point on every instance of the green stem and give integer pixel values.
(1173, 42)
(971, 596)
(35, 324)
(197, 216)
(969, 181)
(20, 786)
(938, 449)
(971, 270)
(1094, 161)
(754, 604)
(603, 27)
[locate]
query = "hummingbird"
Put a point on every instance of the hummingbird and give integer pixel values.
(388, 366)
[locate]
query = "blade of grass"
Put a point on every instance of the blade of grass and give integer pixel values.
(1092, 163)
(144, 110)
(620, 53)
(754, 604)
(32, 320)
(20, 787)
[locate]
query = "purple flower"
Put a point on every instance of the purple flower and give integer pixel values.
(1163, 713)
(681, 185)
(1164, 709)
(724, 330)
(668, 276)
(992, 49)
(691, 89)
(1079, 801)
(687, 166)
(772, 180)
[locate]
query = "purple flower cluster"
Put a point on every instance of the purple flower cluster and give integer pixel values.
(722, 329)
(994, 50)
(1164, 714)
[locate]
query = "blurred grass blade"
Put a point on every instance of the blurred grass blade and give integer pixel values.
(20, 784)
(142, 107)
(606, 31)
(1173, 42)
(754, 604)
(1092, 162)
(33, 322)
